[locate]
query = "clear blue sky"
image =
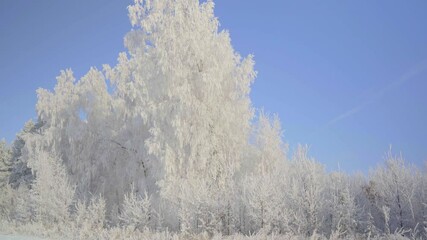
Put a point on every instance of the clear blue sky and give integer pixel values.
(348, 78)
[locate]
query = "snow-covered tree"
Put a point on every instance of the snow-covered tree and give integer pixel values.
(89, 218)
(102, 149)
(395, 186)
(5, 163)
(21, 173)
(51, 191)
(263, 184)
(341, 209)
(137, 211)
(23, 208)
(306, 193)
(5, 171)
(182, 76)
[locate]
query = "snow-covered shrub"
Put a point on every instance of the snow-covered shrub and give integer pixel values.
(89, 218)
(137, 211)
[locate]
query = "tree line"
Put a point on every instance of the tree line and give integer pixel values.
(167, 140)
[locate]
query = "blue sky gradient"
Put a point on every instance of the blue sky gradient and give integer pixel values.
(348, 78)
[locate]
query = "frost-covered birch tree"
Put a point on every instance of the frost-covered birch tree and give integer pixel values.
(306, 193)
(396, 187)
(191, 88)
(263, 186)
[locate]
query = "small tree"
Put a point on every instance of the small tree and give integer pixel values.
(90, 218)
(341, 207)
(5, 163)
(5, 171)
(306, 193)
(21, 174)
(395, 184)
(263, 185)
(137, 211)
(52, 192)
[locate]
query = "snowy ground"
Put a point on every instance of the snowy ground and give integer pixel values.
(17, 237)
